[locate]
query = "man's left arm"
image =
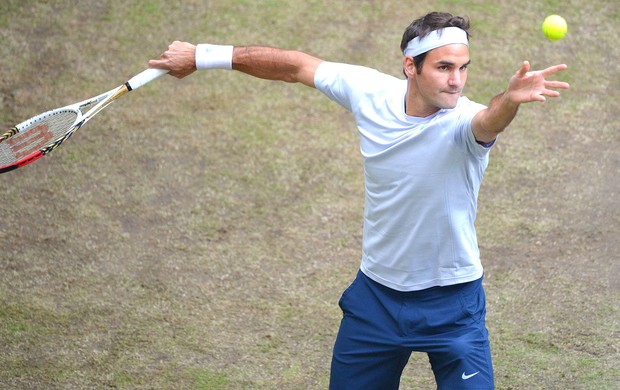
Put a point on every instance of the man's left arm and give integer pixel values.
(524, 87)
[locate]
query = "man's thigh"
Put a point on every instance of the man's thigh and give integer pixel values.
(367, 354)
(457, 343)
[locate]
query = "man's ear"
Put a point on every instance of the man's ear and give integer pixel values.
(409, 67)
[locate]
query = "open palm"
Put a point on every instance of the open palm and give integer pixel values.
(531, 86)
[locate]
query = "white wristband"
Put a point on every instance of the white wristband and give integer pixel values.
(213, 56)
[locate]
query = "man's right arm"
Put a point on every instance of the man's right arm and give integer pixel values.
(258, 61)
(276, 64)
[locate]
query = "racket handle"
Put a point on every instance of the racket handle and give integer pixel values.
(144, 77)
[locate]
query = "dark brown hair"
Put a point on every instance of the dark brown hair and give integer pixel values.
(425, 25)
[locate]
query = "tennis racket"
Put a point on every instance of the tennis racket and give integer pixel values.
(34, 138)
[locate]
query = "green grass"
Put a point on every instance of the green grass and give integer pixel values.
(206, 380)
(199, 233)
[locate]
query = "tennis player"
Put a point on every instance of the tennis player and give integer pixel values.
(425, 148)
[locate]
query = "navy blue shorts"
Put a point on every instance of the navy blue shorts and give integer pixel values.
(381, 327)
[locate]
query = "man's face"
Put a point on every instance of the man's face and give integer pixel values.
(441, 81)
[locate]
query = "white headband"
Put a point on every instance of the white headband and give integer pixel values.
(436, 38)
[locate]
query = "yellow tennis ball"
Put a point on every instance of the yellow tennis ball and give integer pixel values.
(554, 27)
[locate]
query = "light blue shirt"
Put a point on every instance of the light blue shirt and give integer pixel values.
(422, 177)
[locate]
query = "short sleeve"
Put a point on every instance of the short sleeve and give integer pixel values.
(346, 84)
(464, 135)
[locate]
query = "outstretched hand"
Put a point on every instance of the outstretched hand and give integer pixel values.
(179, 59)
(532, 86)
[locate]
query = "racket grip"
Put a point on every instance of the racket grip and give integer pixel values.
(144, 77)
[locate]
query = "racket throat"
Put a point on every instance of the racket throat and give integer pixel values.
(103, 104)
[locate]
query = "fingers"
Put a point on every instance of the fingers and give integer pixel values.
(538, 97)
(178, 59)
(554, 69)
(550, 90)
(158, 64)
(161, 62)
(557, 85)
(550, 93)
(551, 85)
(525, 67)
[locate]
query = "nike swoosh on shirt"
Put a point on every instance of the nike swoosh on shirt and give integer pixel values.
(466, 377)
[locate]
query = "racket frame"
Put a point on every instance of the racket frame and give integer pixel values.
(101, 101)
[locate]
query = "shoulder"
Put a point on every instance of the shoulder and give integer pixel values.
(329, 73)
(465, 112)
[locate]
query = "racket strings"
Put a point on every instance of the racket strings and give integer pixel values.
(35, 134)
